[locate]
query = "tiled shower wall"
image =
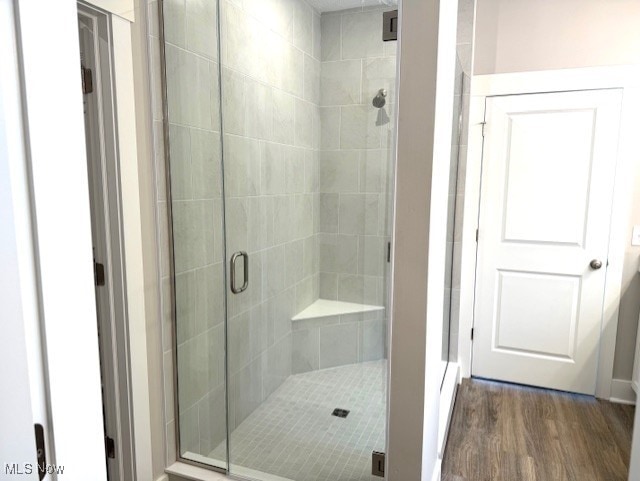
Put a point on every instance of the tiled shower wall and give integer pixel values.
(277, 164)
(196, 190)
(270, 59)
(270, 68)
(355, 181)
(355, 158)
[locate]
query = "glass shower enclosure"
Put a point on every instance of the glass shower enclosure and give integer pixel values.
(279, 123)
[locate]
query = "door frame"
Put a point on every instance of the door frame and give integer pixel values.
(122, 191)
(626, 78)
(105, 193)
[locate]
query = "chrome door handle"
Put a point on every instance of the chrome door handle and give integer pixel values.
(232, 276)
(595, 264)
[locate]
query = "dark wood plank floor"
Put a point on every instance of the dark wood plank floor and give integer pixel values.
(501, 432)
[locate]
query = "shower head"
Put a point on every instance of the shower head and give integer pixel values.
(380, 99)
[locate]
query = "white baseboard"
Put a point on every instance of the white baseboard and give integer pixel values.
(447, 401)
(622, 392)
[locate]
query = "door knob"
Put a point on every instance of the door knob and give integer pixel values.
(595, 264)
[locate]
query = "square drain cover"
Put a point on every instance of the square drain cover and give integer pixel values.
(340, 413)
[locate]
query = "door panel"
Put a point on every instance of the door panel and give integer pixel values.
(530, 306)
(539, 170)
(548, 172)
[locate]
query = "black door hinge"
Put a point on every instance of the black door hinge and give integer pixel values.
(388, 251)
(390, 26)
(87, 80)
(472, 332)
(41, 452)
(110, 447)
(98, 273)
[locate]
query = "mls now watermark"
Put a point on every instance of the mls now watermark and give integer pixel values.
(17, 469)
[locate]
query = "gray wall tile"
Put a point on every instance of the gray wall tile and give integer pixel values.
(338, 345)
(340, 82)
(305, 350)
(362, 35)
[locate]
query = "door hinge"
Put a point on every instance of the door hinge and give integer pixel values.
(87, 80)
(377, 463)
(41, 451)
(388, 251)
(98, 273)
(483, 126)
(110, 447)
(472, 332)
(477, 234)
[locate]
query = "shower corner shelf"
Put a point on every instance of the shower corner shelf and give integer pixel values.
(328, 308)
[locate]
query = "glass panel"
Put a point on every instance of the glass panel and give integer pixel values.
(196, 205)
(451, 267)
(308, 172)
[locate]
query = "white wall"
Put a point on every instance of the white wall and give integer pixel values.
(520, 35)
(426, 65)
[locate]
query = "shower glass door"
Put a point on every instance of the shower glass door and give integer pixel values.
(281, 167)
(307, 171)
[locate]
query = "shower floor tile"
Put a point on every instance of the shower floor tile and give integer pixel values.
(294, 435)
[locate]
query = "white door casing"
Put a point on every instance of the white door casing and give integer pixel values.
(547, 185)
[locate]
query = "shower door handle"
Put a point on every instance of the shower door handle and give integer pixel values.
(234, 258)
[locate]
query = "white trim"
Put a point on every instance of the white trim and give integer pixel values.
(122, 8)
(133, 246)
(622, 392)
(447, 402)
(437, 471)
(625, 77)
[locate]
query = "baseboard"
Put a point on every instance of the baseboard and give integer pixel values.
(447, 401)
(622, 392)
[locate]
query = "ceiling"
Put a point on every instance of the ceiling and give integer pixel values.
(334, 5)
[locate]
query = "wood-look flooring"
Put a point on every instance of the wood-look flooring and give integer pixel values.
(502, 432)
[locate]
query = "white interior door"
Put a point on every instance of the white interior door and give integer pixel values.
(17, 416)
(22, 401)
(548, 173)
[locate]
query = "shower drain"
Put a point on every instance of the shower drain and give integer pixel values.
(340, 413)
